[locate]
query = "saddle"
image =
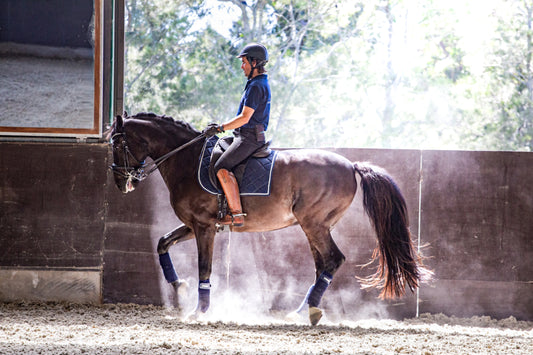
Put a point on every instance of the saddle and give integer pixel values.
(254, 175)
(221, 146)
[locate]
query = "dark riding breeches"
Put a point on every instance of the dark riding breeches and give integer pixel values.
(244, 144)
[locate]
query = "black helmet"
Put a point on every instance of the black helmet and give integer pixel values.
(256, 51)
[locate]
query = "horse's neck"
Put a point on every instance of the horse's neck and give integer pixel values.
(165, 141)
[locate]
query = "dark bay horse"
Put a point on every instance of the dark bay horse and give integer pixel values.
(312, 188)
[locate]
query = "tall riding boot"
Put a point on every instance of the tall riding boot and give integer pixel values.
(231, 189)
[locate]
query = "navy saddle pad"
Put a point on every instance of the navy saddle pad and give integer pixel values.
(257, 175)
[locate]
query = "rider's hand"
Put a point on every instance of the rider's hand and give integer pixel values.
(212, 129)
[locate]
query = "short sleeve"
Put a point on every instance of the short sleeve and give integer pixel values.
(253, 97)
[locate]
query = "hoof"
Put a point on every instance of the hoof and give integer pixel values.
(195, 316)
(191, 317)
(180, 292)
(182, 288)
(294, 317)
(315, 314)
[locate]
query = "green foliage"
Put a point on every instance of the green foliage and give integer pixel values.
(375, 73)
(175, 69)
(511, 123)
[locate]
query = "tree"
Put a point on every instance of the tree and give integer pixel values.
(376, 73)
(511, 124)
(175, 67)
(182, 69)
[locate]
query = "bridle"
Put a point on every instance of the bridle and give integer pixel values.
(142, 170)
(128, 171)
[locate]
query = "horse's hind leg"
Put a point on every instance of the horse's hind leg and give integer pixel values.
(328, 258)
(178, 235)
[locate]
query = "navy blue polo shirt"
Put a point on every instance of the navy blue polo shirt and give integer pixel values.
(257, 96)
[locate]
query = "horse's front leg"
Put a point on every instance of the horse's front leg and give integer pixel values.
(178, 235)
(205, 237)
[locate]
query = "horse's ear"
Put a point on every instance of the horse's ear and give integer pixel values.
(119, 122)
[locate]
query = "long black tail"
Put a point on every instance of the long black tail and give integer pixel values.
(399, 262)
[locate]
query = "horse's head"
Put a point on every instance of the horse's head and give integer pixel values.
(129, 153)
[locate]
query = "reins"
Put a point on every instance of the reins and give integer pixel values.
(140, 173)
(161, 159)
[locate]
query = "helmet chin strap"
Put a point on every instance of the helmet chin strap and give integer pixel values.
(253, 67)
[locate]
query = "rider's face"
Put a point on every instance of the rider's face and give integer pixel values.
(245, 66)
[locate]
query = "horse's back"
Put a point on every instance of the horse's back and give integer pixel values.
(307, 184)
(314, 164)
(314, 156)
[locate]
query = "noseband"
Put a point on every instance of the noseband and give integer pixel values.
(128, 171)
(142, 170)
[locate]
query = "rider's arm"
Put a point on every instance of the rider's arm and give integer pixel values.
(240, 120)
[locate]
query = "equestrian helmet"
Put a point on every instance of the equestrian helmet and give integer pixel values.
(256, 51)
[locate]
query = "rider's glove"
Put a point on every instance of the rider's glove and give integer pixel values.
(212, 129)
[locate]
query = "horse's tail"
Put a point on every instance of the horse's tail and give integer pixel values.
(399, 262)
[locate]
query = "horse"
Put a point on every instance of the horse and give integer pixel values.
(310, 187)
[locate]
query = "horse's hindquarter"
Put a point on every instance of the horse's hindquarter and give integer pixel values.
(306, 184)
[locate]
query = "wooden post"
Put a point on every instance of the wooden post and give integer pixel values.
(118, 62)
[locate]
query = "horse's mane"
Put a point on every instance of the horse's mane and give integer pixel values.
(164, 120)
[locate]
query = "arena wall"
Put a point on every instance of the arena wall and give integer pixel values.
(68, 234)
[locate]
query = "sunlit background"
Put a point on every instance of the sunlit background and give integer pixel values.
(412, 74)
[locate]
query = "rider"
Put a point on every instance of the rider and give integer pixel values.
(248, 126)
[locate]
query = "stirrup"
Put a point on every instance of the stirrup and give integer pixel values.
(226, 221)
(236, 215)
